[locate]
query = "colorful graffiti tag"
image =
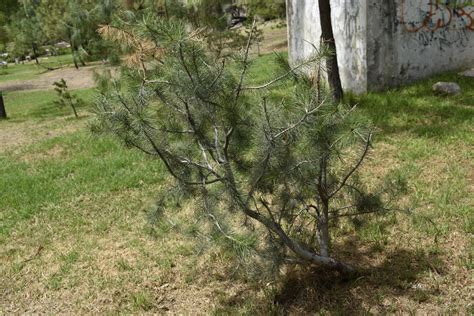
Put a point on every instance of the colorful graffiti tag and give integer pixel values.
(434, 15)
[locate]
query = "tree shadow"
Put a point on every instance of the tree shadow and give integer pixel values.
(396, 275)
(381, 275)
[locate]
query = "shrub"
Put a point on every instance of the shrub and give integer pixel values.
(66, 98)
(271, 176)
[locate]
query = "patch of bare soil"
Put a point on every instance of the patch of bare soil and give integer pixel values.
(75, 78)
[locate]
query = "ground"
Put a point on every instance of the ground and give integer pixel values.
(29, 76)
(76, 79)
(75, 235)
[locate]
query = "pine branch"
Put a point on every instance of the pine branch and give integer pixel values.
(245, 62)
(356, 166)
(300, 121)
(270, 83)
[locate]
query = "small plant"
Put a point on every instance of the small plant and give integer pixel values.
(66, 98)
(269, 178)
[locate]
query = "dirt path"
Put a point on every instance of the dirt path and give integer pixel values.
(75, 78)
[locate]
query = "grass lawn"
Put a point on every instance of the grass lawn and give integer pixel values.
(29, 70)
(74, 235)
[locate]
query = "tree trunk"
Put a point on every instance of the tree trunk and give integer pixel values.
(323, 214)
(3, 112)
(35, 54)
(300, 251)
(323, 229)
(73, 51)
(73, 109)
(327, 37)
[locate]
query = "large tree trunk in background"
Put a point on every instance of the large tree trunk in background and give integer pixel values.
(328, 39)
(33, 46)
(3, 112)
(73, 52)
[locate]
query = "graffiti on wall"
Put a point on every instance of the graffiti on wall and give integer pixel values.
(437, 15)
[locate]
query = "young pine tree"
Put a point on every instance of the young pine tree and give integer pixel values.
(66, 98)
(279, 170)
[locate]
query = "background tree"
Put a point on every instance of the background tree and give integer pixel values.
(215, 19)
(7, 10)
(212, 17)
(25, 30)
(59, 19)
(76, 22)
(8, 7)
(327, 38)
(266, 9)
(271, 177)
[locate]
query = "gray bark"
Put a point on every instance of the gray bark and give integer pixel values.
(327, 37)
(3, 112)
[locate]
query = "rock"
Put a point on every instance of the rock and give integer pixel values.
(447, 88)
(468, 73)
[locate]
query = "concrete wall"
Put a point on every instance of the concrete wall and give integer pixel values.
(384, 43)
(304, 32)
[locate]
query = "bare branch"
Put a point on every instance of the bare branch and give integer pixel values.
(183, 63)
(267, 207)
(260, 176)
(227, 143)
(170, 169)
(300, 121)
(176, 132)
(245, 65)
(277, 79)
(160, 81)
(217, 145)
(356, 166)
(221, 71)
(267, 116)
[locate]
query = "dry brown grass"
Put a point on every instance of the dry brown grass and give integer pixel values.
(17, 135)
(92, 253)
(101, 261)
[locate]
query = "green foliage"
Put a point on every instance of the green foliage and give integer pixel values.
(66, 98)
(7, 10)
(25, 31)
(92, 193)
(215, 18)
(268, 176)
(38, 23)
(8, 7)
(267, 9)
